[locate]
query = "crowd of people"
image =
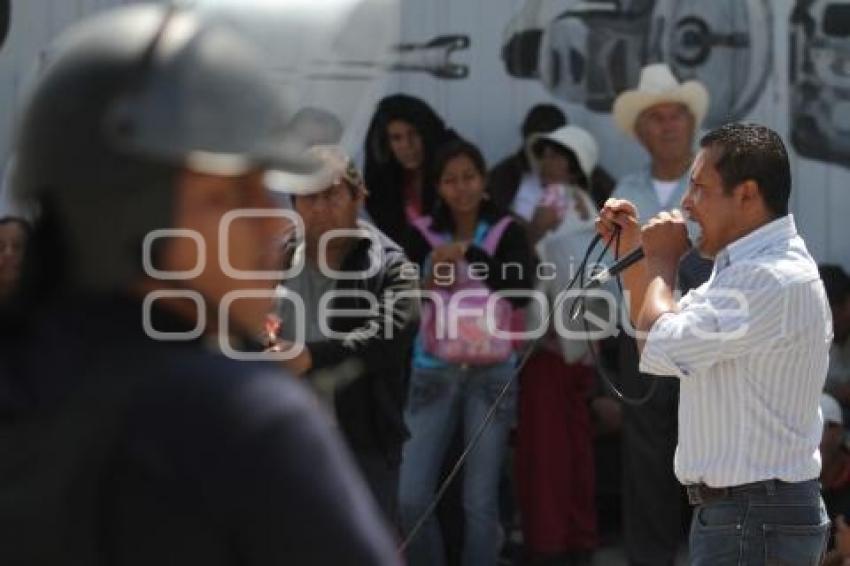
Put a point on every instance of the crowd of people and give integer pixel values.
(432, 191)
(238, 456)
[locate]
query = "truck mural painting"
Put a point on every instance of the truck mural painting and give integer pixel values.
(481, 64)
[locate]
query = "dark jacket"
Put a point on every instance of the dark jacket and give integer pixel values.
(369, 409)
(119, 449)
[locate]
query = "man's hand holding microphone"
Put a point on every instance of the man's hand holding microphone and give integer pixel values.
(663, 240)
(623, 215)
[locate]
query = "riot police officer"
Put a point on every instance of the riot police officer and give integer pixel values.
(127, 437)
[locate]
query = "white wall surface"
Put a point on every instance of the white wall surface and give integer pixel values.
(488, 106)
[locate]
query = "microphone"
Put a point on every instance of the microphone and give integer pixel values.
(620, 266)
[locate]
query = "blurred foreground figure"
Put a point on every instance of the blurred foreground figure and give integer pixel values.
(126, 436)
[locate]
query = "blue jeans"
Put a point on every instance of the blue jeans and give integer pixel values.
(438, 399)
(772, 523)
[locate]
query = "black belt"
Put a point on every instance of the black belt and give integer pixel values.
(699, 493)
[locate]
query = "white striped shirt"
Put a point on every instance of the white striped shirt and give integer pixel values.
(751, 349)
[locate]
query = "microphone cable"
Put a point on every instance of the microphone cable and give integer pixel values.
(580, 305)
(522, 360)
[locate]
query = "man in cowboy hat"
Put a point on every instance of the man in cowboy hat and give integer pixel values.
(663, 115)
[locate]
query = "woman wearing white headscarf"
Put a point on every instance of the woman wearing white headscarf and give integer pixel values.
(554, 451)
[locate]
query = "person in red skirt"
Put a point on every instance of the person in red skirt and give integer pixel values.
(554, 445)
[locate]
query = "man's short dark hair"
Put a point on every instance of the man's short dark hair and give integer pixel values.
(542, 119)
(751, 152)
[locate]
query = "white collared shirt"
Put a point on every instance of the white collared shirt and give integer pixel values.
(751, 349)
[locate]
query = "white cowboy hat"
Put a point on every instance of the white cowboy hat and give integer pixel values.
(575, 139)
(658, 85)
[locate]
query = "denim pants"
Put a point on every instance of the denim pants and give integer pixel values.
(771, 523)
(438, 399)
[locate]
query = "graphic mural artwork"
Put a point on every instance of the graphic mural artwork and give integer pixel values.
(592, 51)
(820, 79)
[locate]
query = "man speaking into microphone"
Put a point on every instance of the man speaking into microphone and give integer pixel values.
(750, 347)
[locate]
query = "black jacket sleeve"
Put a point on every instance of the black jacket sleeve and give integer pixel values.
(380, 341)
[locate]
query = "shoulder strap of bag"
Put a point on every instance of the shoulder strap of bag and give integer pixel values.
(423, 225)
(495, 235)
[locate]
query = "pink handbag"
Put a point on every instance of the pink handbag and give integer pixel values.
(463, 307)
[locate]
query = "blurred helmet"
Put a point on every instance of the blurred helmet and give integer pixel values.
(130, 98)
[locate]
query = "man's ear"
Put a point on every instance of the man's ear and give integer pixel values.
(748, 192)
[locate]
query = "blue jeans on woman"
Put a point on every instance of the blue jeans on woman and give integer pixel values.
(438, 399)
(769, 523)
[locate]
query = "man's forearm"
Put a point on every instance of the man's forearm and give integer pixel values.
(635, 283)
(658, 297)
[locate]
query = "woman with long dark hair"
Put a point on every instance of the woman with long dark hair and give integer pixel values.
(400, 145)
(465, 230)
